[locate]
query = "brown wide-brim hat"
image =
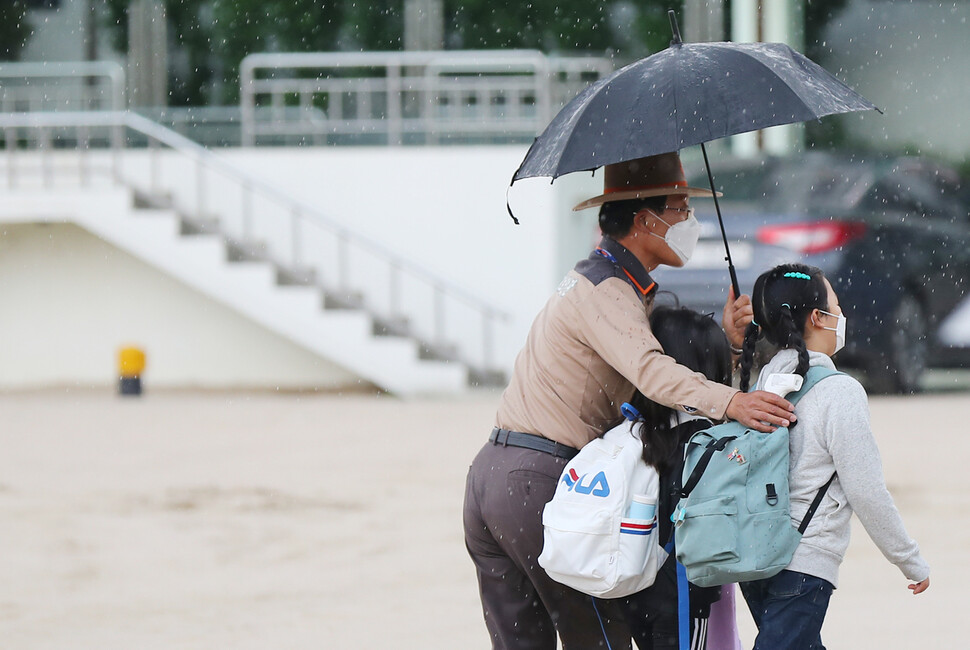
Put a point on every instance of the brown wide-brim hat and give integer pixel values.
(641, 178)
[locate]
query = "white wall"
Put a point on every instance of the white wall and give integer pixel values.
(910, 59)
(443, 208)
(71, 301)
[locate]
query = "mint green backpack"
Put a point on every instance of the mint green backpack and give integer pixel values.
(733, 522)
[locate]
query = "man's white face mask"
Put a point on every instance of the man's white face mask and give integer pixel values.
(682, 237)
(839, 329)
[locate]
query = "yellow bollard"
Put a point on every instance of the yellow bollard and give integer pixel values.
(131, 363)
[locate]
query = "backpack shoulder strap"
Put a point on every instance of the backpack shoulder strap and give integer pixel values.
(814, 375)
(717, 444)
(816, 502)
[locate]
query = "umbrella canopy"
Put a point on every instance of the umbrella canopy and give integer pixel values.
(685, 95)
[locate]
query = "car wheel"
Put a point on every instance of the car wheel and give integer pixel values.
(900, 367)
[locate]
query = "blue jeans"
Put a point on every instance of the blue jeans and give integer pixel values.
(788, 609)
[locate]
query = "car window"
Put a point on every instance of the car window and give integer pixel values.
(820, 183)
(888, 195)
(949, 191)
(821, 186)
(833, 189)
(917, 191)
(745, 183)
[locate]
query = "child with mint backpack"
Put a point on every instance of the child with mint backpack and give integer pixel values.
(797, 310)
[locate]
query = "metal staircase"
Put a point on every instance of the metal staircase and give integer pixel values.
(271, 258)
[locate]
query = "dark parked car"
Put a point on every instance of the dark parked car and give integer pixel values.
(892, 234)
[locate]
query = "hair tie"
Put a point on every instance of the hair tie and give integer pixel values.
(754, 323)
(630, 412)
(797, 274)
(785, 304)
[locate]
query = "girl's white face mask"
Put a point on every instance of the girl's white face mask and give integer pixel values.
(682, 237)
(839, 329)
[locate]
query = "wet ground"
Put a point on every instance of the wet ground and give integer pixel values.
(298, 521)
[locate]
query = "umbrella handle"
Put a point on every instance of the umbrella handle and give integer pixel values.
(734, 280)
(720, 221)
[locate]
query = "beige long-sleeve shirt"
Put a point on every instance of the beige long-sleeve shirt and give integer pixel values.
(588, 350)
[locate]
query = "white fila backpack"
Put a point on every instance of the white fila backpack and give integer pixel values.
(589, 541)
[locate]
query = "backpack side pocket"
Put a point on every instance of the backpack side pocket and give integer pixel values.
(708, 531)
(639, 553)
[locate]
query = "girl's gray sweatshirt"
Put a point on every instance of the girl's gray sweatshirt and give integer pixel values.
(833, 436)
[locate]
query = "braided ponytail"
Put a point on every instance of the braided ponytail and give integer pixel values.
(751, 335)
(793, 338)
(753, 332)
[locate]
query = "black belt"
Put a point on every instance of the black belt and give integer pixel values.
(531, 441)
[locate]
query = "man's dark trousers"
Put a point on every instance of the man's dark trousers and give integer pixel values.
(506, 491)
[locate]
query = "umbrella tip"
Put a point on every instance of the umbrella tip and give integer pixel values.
(674, 28)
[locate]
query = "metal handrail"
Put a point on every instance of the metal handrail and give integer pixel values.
(441, 96)
(113, 72)
(385, 84)
(301, 213)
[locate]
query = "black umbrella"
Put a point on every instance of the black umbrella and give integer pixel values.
(685, 95)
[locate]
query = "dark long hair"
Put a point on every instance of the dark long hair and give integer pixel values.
(693, 340)
(782, 299)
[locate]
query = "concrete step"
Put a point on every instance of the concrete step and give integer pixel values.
(245, 251)
(286, 276)
(343, 300)
(198, 225)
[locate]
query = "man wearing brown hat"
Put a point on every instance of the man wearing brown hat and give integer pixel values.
(588, 350)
